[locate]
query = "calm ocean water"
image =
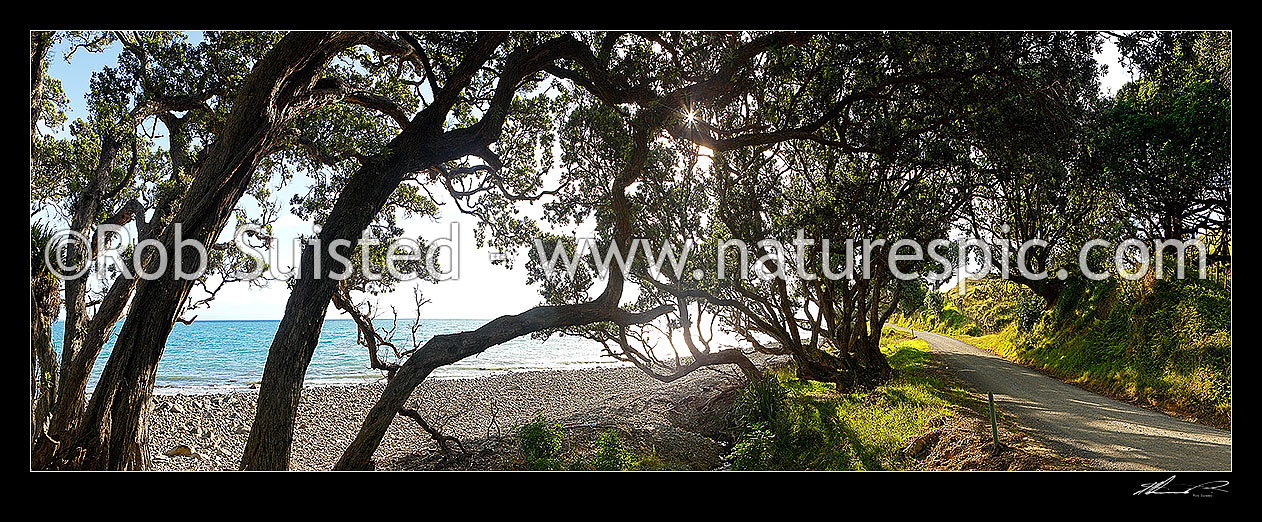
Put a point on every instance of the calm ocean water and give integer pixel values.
(228, 354)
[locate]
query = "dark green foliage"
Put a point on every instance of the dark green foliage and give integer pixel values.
(541, 448)
(540, 445)
(762, 402)
(610, 456)
(41, 236)
(1069, 299)
(761, 415)
(912, 296)
(1029, 309)
(1166, 145)
(933, 302)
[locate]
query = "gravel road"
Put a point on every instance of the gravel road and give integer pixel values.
(1114, 434)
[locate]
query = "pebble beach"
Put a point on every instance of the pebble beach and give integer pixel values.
(214, 426)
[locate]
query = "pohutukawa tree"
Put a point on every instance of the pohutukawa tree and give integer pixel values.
(472, 82)
(670, 137)
(1036, 178)
(110, 176)
(227, 104)
(884, 149)
(1165, 138)
(595, 65)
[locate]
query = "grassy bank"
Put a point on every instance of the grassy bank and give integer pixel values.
(1159, 343)
(786, 423)
(783, 423)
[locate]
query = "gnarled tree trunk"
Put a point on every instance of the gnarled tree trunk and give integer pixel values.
(44, 306)
(446, 349)
(421, 145)
(271, 433)
(113, 433)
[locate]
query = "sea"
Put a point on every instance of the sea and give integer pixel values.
(209, 356)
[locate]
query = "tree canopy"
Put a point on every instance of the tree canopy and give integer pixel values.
(681, 138)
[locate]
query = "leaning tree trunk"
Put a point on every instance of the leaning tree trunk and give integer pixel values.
(442, 350)
(69, 406)
(418, 147)
(44, 305)
(76, 366)
(113, 433)
(1047, 289)
(41, 42)
(817, 365)
(446, 349)
(84, 342)
(271, 434)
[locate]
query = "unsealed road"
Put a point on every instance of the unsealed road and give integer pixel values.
(1114, 434)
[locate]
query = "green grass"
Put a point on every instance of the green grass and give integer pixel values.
(787, 423)
(1163, 343)
(950, 321)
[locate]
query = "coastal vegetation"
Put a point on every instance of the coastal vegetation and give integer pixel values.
(791, 423)
(684, 137)
(1161, 343)
(541, 450)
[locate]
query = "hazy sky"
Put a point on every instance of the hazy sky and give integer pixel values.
(483, 291)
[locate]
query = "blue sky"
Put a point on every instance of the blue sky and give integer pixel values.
(483, 291)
